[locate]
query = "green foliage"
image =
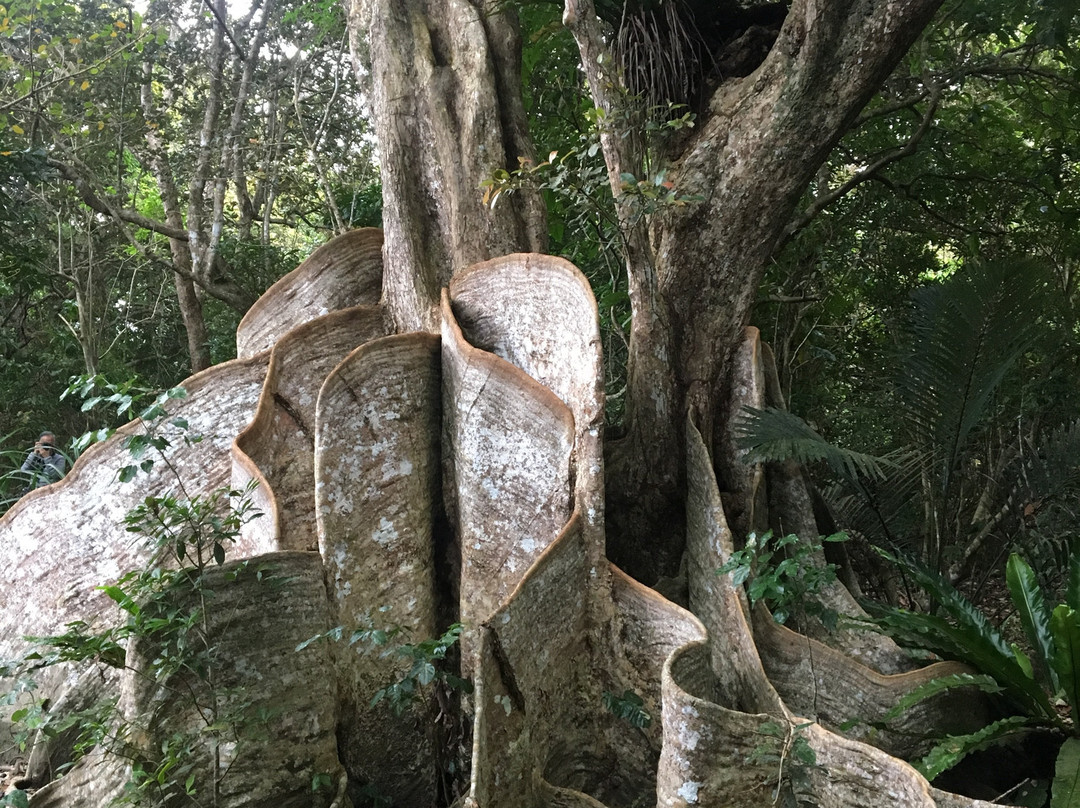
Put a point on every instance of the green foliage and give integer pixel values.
(962, 339)
(942, 684)
(361, 206)
(129, 398)
(628, 707)
(424, 665)
(1030, 689)
(784, 574)
(1035, 618)
(953, 749)
(948, 477)
(16, 798)
(84, 292)
(785, 746)
(194, 531)
(1066, 792)
(964, 633)
(774, 434)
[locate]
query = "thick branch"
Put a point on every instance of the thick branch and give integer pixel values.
(822, 201)
(90, 197)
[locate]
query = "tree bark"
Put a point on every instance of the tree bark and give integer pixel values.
(446, 90)
(758, 142)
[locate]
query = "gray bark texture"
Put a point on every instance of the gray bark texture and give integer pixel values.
(757, 143)
(551, 626)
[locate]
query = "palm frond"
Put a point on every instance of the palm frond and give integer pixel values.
(1044, 497)
(963, 337)
(773, 435)
(887, 511)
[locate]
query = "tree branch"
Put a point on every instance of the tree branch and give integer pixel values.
(99, 203)
(825, 200)
(90, 68)
(227, 293)
(225, 29)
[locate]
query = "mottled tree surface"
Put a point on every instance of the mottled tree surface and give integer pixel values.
(436, 477)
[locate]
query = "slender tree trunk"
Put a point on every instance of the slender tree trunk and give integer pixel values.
(191, 309)
(81, 275)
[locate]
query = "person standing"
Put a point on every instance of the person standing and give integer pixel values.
(44, 464)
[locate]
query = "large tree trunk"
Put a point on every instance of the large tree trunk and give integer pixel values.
(758, 142)
(447, 90)
(448, 113)
(506, 402)
(347, 446)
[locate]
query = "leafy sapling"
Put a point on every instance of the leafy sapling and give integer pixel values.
(785, 746)
(429, 662)
(784, 574)
(130, 399)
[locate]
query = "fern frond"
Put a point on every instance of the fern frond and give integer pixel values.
(964, 336)
(957, 747)
(773, 435)
(943, 684)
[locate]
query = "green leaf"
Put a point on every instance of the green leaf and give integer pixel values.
(120, 597)
(1022, 660)
(1065, 792)
(956, 747)
(425, 673)
(1072, 590)
(966, 614)
(1065, 628)
(1034, 616)
(942, 684)
(629, 707)
(775, 434)
(17, 799)
(964, 336)
(219, 554)
(309, 641)
(128, 473)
